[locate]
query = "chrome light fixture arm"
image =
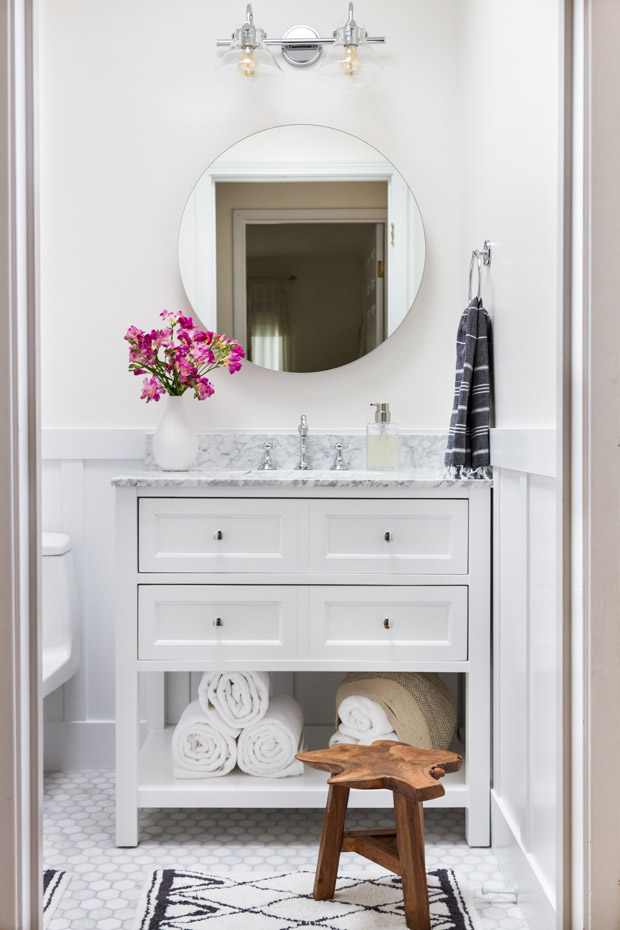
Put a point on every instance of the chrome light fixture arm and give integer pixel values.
(299, 43)
(247, 35)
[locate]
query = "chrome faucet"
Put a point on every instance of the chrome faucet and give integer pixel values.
(303, 435)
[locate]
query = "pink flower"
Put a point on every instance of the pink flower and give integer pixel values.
(233, 360)
(203, 388)
(151, 389)
(185, 369)
(200, 336)
(201, 354)
(133, 333)
(162, 338)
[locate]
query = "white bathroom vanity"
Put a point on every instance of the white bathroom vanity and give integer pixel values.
(313, 571)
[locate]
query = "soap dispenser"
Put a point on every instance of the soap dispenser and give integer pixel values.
(382, 440)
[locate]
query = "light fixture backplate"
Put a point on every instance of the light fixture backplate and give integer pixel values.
(301, 55)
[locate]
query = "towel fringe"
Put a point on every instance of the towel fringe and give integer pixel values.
(463, 472)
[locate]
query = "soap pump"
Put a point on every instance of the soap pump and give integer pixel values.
(382, 440)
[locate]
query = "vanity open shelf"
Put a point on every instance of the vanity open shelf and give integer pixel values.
(158, 788)
(384, 575)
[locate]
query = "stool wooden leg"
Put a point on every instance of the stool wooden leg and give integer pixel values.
(331, 842)
(410, 837)
(421, 811)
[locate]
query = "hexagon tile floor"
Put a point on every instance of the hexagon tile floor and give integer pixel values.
(106, 881)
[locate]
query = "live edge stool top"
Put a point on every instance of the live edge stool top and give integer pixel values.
(386, 764)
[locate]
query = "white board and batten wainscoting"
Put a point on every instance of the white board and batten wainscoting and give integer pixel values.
(78, 498)
(525, 799)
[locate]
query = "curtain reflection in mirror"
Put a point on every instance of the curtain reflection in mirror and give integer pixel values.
(268, 322)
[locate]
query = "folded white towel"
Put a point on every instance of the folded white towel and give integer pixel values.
(339, 737)
(362, 718)
(268, 747)
(199, 750)
(232, 700)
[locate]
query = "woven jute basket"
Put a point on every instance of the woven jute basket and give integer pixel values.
(419, 705)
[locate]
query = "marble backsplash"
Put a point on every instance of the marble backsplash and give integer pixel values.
(422, 453)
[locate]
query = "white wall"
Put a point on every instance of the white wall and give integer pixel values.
(511, 137)
(131, 116)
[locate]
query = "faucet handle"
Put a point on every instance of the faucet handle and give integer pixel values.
(339, 464)
(268, 463)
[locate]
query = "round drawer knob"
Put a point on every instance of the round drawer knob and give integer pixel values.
(387, 623)
(217, 534)
(218, 622)
(388, 536)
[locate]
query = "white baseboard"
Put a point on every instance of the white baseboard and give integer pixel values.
(89, 744)
(78, 744)
(535, 898)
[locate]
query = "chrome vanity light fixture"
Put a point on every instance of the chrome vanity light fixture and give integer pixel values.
(349, 61)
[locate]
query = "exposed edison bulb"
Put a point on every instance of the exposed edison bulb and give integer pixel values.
(350, 63)
(247, 63)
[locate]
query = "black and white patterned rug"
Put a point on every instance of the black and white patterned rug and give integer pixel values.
(54, 885)
(175, 899)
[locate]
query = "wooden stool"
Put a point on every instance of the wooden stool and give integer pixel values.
(411, 774)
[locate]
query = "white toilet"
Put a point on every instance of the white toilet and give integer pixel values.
(60, 612)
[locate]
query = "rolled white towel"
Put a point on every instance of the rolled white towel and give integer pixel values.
(362, 718)
(268, 747)
(233, 700)
(339, 737)
(199, 750)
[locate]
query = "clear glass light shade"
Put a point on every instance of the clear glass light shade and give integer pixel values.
(350, 66)
(248, 67)
(350, 61)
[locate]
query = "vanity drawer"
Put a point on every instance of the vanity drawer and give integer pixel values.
(388, 623)
(205, 535)
(217, 622)
(389, 536)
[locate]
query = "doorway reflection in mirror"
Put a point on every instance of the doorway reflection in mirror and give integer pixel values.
(327, 314)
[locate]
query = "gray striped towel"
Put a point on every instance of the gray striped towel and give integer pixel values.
(467, 454)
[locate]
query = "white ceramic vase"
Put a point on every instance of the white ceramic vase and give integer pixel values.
(175, 443)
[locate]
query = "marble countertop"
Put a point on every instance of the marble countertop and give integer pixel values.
(284, 478)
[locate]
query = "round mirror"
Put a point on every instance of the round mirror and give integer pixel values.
(305, 244)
